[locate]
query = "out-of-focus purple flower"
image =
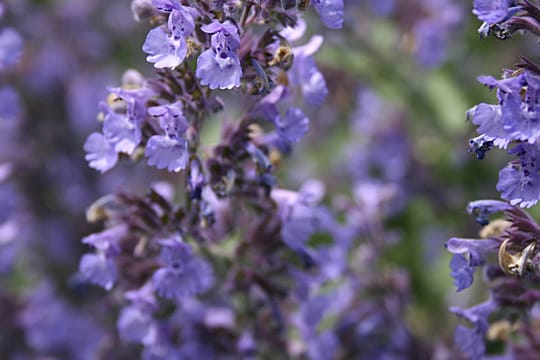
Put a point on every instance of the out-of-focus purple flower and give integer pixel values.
(54, 327)
(85, 91)
(11, 47)
(382, 7)
(10, 107)
(163, 50)
(100, 153)
(293, 126)
(137, 325)
(471, 340)
(331, 12)
(219, 66)
(431, 42)
(183, 274)
(304, 72)
(299, 215)
(98, 269)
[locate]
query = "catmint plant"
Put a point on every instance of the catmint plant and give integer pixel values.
(181, 261)
(507, 247)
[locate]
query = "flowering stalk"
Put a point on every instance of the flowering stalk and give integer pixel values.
(183, 266)
(512, 241)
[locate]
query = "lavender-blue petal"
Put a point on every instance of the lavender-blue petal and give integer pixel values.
(167, 153)
(100, 152)
(166, 5)
(478, 249)
(462, 272)
(491, 11)
(470, 342)
(312, 81)
(122, 132)
(293, 126)
(193, 278)
(224, 74)
(137, 325)
(181, 23)
(107, 240)
(99, 270)
(164, 51)
(331, 12)
(488, 119)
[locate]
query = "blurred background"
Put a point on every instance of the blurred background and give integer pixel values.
(392, 135)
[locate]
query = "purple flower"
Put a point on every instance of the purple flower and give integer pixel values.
(10, 109)
(54, 327)
(471, 340)
(299, 218)
(100, 153)
(219, 66)
(293, 126)
(331, 12)
(164, 51)
(181, 23)
(481, 209)
(488, 119)
(168, 151)
(478, 249)
(11, 46)
(462, 272)
(183, 274)
(137, 325)
(519, 182)
(108, 240)
(122, 132)
(98, 269)
(491, 11)
(164, 152)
